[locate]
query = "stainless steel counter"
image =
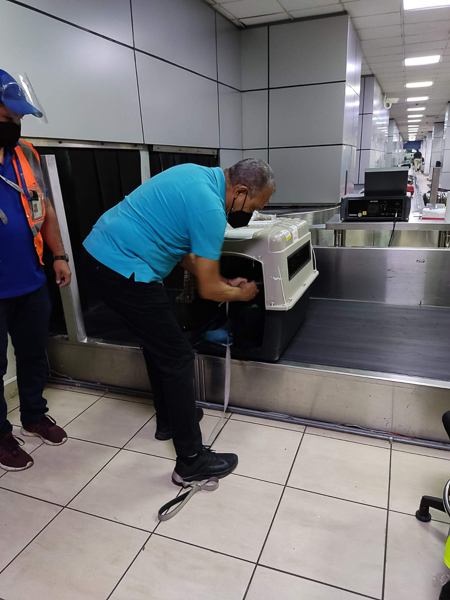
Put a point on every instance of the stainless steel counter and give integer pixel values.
(413, 224)
(414, 233)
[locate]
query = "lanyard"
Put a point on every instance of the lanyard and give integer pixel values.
(13, 185)
(24, 189)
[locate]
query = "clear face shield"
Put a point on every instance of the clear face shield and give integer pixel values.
(18, 96)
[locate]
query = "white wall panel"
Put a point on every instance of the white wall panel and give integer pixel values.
(255, 106)
(354, 57)
(86, 84)
(364, 163)
(228, 53)
(293, 168)
(308, 52)
(230, 114)
(347, 170)
(228, 158)
(181, 31)
(108, 17)
(178, 107)
(262, 154)
(307, 115)
(351, 109)
(254, 48)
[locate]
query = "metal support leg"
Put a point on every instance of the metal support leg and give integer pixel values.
(339, 238)
(444, 239)
(427, 502)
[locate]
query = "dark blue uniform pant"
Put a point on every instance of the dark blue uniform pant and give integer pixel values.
(26, 319)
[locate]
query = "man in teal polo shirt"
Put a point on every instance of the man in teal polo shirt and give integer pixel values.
(177, 217)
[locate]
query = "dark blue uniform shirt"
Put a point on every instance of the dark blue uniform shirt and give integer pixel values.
(20, 269)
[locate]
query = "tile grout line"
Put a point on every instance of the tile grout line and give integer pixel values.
(32, 540)
(273, 519)
(167, 537)
(142, 548)
(291, 487)
(329, 585)
(383, 586)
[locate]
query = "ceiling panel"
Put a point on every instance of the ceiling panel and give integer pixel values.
(364, 8)
(304, 4)
(425, 16)
(380, 33)
(382, 43)
(241, 9)
(377, 20)
(319, 10)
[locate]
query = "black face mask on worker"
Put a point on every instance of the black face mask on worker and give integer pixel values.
(9, 134)
(238, 218)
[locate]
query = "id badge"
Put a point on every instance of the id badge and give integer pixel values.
(37, 204)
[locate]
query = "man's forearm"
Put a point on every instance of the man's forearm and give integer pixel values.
(51, 233)
(221, 292)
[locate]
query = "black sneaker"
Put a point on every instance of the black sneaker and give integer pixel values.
(164, 432)
(445, 592)
(207, 464)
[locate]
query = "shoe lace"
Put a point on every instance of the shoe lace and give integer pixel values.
(48, 421)
(11, 444)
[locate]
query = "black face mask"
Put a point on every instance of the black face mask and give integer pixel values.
(238, 218)
(9, 134)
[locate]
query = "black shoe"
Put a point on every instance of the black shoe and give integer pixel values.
(164, 432)
(207, 464)
(445, 592)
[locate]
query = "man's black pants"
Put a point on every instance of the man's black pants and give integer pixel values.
(146, 311)
(26, 319)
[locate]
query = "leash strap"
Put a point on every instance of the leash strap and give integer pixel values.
(208, 485)
(226, 395)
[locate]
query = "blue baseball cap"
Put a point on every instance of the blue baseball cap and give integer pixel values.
(14, 96)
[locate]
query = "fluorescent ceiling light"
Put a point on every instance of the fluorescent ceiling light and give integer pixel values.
(419, 84)
(415, 121)
(422, 60)
(415, 116)
(416, 108)
(417, 99)
(420, 4)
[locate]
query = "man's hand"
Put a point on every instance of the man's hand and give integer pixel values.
(249, 291)
(63, 273)
(236, 282)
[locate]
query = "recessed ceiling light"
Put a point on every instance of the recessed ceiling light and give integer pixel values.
(416, 108)
(421, 4)
(419, 84)
(415, 116)
(422, 60)
(415, 121)
(417, 99)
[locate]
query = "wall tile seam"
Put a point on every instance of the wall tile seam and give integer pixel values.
(305, 146)
(123, 44)
(296, 85)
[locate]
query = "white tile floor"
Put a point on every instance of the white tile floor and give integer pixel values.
(309, 515)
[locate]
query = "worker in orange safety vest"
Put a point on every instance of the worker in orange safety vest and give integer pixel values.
(27, 219)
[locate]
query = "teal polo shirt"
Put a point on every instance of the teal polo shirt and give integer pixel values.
(179, 211)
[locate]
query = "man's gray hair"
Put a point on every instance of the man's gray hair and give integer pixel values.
(255, 173)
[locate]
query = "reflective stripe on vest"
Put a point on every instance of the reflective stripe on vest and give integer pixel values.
(30, 168)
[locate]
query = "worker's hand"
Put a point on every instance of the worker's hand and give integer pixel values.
(62, 272)
(237, 281)
(249, 291)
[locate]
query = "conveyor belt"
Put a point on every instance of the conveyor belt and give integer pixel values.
(407, 340)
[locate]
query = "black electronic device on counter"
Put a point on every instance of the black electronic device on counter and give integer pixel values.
(384, 197)
(371, 208)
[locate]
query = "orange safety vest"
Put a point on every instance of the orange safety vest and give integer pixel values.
(34, 205)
